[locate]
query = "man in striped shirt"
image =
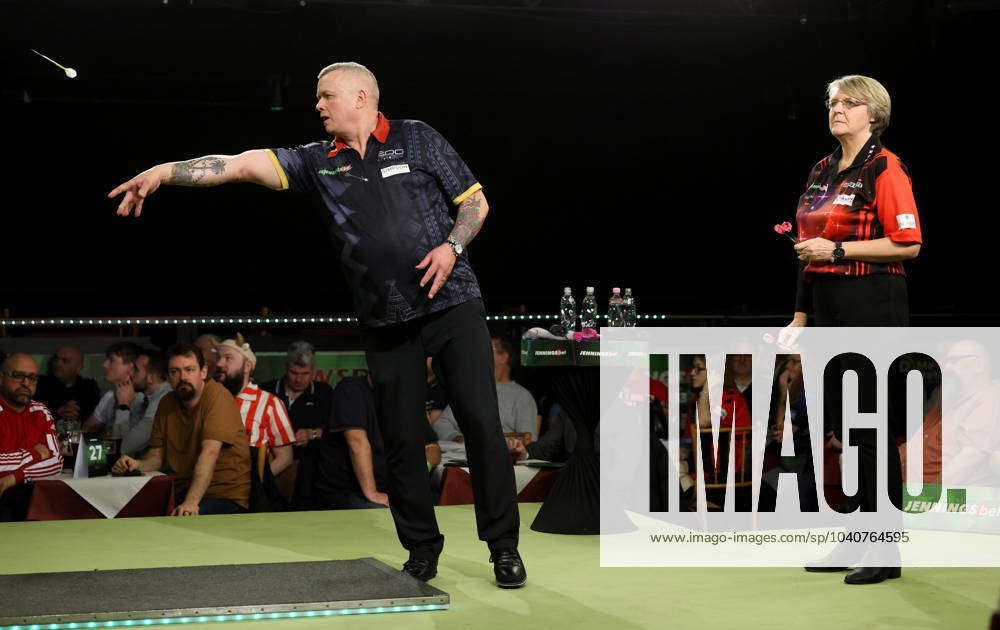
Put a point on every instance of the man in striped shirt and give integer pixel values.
(29, 446)
(264, 415)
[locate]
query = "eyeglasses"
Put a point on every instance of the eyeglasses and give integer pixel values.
(697, 370)
(22, 376)
(848, 103)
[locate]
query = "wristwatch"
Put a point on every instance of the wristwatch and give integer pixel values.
(838, 252)
(456, 247)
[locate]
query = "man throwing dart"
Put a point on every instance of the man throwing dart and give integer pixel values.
(389, 186)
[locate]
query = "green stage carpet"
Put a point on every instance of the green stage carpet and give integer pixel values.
(567, 589)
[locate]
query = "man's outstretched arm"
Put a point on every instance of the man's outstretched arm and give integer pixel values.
(254, 166)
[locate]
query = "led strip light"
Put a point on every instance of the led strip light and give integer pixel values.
(266, 616)
(262, 320)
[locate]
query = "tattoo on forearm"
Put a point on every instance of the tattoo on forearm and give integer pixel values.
(469, 219)
(191, 173)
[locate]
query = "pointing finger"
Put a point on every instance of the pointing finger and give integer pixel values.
(123, 206)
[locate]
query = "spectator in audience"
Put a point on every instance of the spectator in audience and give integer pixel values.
(739, 373)
(264, 417)
(150, 380)
(733, 412)
(310, 407)
(518, 411)
(555, 445)
(789, 397)
(437, 397)
(29, 446)
(71, 396)
(971, 403)
(121, 401)
(308, 401)
(351, 468)
(209, 346)
(198, 432)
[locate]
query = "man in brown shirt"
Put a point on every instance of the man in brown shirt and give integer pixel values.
(198, 429)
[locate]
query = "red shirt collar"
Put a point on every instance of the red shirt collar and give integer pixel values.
(381, 132)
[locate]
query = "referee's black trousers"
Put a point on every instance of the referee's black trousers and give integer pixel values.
(874, 300)
(458, 340)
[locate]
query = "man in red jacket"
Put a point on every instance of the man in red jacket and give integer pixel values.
(29, 446)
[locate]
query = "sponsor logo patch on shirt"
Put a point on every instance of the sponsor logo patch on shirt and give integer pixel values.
(391, 154)
(336, 171)
(844, 200)
(395, 169)
(906, 221)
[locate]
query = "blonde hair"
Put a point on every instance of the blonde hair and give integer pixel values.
(871, 92)
(354, 68)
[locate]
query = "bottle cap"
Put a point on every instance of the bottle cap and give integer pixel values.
(616, 290)
(567, 291)
(590, 289)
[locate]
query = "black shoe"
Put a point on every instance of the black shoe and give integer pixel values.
(421, 568)
(872, 575)
(818, 568)
(840, 558)
(508, 568)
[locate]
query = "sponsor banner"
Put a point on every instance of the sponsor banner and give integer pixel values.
(546, 352)
(330, 366)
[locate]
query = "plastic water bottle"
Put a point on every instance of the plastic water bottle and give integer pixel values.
(567, 311)
(588, 310)
(629, 314)
(615, 308)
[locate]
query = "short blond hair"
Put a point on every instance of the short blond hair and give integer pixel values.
(357, 69)
(871, 92)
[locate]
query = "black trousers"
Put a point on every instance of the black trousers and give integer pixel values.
(458, 340)
(876, 300)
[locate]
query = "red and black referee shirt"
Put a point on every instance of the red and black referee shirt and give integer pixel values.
(870, 199)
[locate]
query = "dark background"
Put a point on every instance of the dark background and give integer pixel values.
(633, 143)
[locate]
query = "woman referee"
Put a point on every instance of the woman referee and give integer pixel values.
(857, 221)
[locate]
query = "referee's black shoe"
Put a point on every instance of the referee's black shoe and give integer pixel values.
(508, 568)
(423, 569)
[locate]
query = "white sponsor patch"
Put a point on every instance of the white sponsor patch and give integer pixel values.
(906, 221)
(844, 200)
(396, 169)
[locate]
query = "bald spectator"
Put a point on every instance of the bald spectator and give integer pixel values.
(264, 416)
(29, 447)
(71, 396)
(122, 401)
(967, 410)
(198, 434)
(209, 346)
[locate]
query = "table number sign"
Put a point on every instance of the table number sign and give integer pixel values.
(92, 457)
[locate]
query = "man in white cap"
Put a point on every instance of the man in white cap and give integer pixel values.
(264, 415)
